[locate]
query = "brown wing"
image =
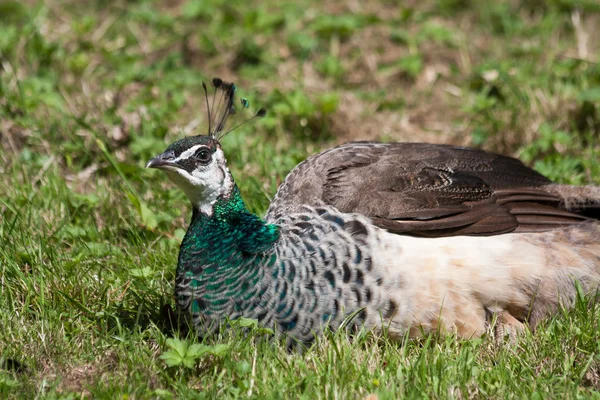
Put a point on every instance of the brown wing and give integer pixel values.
(428, 190)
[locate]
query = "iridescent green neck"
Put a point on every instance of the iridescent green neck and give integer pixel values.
(226, 240)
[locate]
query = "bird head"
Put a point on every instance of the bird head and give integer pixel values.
(197, 164)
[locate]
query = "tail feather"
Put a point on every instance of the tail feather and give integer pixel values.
(573, 256)
(584, 200)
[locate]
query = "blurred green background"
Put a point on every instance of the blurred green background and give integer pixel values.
(90, 90)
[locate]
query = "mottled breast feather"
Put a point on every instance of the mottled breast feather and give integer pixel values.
(318, 274)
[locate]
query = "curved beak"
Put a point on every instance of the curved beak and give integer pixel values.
(159, 162)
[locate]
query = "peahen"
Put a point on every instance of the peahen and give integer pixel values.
(410, 236)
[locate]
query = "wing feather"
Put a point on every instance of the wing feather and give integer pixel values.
(432, 190)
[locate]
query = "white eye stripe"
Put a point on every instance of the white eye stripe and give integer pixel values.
(191, 151)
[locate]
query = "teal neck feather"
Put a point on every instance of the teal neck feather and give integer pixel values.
(221, 254)
(231, 231)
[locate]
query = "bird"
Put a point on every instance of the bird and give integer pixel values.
(364, 236)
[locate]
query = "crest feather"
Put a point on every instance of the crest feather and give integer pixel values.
(222, 107)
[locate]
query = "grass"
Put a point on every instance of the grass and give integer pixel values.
(89, 91)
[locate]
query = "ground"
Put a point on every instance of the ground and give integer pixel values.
(89, 91)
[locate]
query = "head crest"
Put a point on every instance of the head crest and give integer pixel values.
(224, 96)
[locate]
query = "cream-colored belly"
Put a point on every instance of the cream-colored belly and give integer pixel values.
(450, 283)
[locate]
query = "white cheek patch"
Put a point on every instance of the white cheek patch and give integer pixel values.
(206, 183)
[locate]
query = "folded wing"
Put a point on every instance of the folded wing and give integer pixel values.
(434, 190)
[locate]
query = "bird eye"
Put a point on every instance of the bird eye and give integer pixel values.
(203, 156)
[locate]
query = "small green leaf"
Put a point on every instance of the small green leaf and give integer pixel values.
(171, 358)
(197, 350)
(246, 322)
(185, 354)
(219, 350)
(179, 346)
(252, 323)
(266, 331)
(189, 362)
(144, 272)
